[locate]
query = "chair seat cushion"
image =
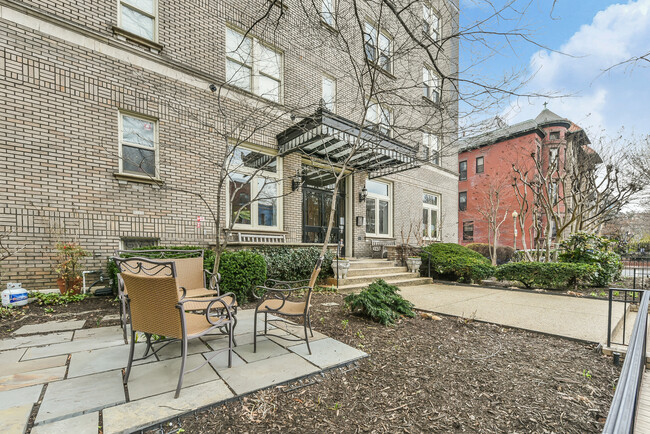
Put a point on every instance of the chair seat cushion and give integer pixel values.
(197, 305)
(196, 323)
(277, 306)
(199, 292)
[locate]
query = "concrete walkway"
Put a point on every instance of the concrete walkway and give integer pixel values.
(573, 317)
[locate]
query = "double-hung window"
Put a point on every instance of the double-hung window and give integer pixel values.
(138, 153)
(379, 47)
(253, 66)
(378, 208)
(480, 164)
(139, 17)
(329, 93)
(254, 189)
(462, 170)
(468, 231)
(462, 201)
(327, 12)
(431, 83)
(431, 216)
(431, 143)
(380, 118)
(430, 22)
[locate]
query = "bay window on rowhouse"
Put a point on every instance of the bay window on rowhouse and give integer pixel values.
(378, 208)
(431, 216)
(138, 17)
(138, 152)
(254, 189)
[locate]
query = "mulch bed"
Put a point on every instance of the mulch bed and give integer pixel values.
(447, 375)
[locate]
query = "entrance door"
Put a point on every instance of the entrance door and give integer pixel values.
(316, 202)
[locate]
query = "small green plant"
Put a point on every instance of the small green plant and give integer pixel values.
(49, 310)
(360, 335)
(593, 294)
(380, 302)
(54, 299)
(10, 312)
(586, 373)
(615, 293)
(344, 324)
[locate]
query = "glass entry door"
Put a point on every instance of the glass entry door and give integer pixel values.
(317, 199)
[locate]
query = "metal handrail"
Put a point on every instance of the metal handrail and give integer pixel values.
(624, 405)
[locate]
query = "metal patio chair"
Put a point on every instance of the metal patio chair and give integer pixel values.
(279, 299)
(156, 308)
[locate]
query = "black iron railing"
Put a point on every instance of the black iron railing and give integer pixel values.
(627, 297)
(636, 271)
(622, 412)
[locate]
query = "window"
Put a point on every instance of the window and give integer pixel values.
(378, 47)
(378, 208)
(462, 170)
(555, 135)
(552, 155)
(431, 216)
(252, 66)
(553, 193)
(138, 17)
(468, 231)
(479, 165)
(138, 146)
(329, 93)
(254, 188)
(462, 201)
(431, 85)
(430, 22)
(380, 118)
(327, 12)
(431, 143)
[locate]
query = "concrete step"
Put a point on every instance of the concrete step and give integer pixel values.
(359, 272)
(347, 289)
(369, 279)
(370, 263)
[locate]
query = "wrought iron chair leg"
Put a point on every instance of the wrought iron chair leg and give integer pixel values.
(266, 318)
(307, 337)
(231, 339)
(183, 357)
(232, 330)
(149, 345)
(255, 331)
(309, 324)
(131, 351)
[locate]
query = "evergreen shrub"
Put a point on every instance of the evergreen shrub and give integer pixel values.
(241, 272)
(380, 302)
(549, 275)
(451, 261)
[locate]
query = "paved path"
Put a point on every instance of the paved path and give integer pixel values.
(573, 317)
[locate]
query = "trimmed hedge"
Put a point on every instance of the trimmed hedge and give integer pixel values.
(504, 253)
(241, 272)
(285, 263)
(451, 261)
(551, 275)
(380, 302)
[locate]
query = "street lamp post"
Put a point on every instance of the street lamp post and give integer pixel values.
(514, 222)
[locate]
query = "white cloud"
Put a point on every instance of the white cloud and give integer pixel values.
(609, 101)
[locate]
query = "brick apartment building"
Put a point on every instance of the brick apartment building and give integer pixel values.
(486, 165)
(113, 112)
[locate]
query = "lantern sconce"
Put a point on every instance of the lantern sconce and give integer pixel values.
(363, 194)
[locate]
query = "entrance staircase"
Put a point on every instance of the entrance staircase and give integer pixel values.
(365, 271)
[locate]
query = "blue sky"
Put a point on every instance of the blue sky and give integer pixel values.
(595, 34)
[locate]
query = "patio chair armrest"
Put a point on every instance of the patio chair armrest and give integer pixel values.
(211, 302)
(213, 280)
(182, 288)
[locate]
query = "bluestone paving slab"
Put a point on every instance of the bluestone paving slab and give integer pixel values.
(174, 349)
(265, 349)
(109, 333)
(11, 356)
(14, 419)
(33, 365)
(75, 396)
(36, 340)
(298, 331)
(220, 359)
(15, 381)
(84, 424)
(136, 415)
(265, 373)
(18, 397)
(104, 359)
(114, 317)
(326, 353)
(160, 377)
(70, 347)
(51, 326)
(217, 343)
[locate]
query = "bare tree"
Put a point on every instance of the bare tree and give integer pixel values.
(490, 207)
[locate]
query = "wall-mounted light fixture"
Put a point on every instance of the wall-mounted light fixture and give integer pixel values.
(296, 181)
(213, 87)
(363, 194)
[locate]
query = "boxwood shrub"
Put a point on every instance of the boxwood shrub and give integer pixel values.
(504, 253)
(241, 272)
(285, 263)
(451, 261)
(548, 275)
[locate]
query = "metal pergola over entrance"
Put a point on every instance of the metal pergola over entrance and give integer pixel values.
(332, 138)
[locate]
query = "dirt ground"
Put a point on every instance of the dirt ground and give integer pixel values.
(428, 375)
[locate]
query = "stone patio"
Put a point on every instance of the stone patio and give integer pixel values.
(76, 375)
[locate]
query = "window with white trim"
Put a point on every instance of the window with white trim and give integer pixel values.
(327, 12)
(329, 93)
(431, 83)
(431, 216)
(378, 47)
(431, 143)
(254, 189)
(430, 22)
(139, 17)
(378, 208)
(253, 66)
(138, 152)
(380, 118)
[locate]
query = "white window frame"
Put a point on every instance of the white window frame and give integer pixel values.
(255, 71)
(373, 33)
(154, 16)
(428, 208)
(254, 204)
(327, 12)
(429, 27)
(122, 142)
(380, 117)
(431, 82)
(431, 143)
(376, 198)
(331, 79)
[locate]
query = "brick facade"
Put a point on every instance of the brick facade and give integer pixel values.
(65, 77)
